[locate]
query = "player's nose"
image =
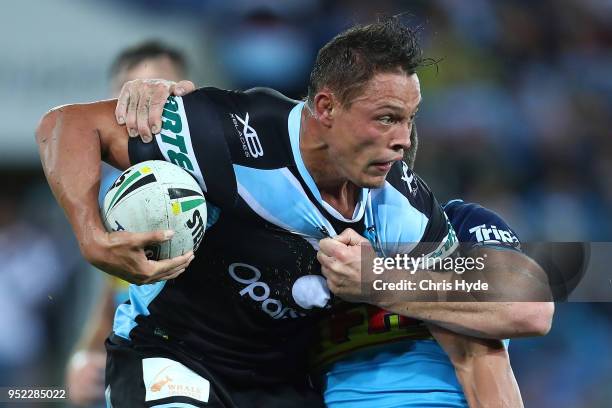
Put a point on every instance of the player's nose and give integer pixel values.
(401, 138)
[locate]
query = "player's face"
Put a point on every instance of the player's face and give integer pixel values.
(374, 131)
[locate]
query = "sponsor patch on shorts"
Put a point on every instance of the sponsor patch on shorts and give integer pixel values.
(164, 378)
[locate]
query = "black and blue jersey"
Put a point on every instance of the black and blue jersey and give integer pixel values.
(246, 305)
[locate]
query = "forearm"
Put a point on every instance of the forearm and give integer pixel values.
(489, 320)
(71, 150)
(482, 368)
(488, 381)
(72, 141)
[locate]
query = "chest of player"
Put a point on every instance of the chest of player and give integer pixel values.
(260, 268)
(262, 249)
(268, 270)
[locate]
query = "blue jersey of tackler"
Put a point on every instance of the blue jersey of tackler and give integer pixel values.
(414, 373)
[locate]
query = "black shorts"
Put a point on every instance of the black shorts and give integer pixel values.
(146, 376)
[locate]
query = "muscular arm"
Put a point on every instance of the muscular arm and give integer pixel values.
(482, 367)
(72, 140)
(481, 361)
(514, 306)
(512, 276)
(481, 364)
(484, 320)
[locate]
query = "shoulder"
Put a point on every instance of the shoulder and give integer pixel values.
(253, 124)
(271, 96)
(408, 202)
(258, 100)
(480, 225)
(412, 187)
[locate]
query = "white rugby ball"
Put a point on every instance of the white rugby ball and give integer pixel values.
(157, 195)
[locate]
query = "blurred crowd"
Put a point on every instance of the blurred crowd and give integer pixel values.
(515, 115)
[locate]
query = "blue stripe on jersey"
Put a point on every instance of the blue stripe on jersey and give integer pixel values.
(291, 209)
(395, 220)
(140, 299)
(293, 123)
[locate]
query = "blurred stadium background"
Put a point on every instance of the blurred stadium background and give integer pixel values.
(516, 116)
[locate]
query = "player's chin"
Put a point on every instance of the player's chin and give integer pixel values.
(372, 181)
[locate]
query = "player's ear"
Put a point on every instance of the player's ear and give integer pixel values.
(323, 108)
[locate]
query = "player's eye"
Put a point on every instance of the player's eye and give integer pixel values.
(387, 119)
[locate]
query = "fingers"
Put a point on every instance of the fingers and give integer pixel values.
(171, 268)
(174, 275)
(182, 88)
(142, 119)
(130, 118)
(156, 108)
(122, 104)
(334, 279)
(350, 237)
(331, 268)
(333, 248)
(338, 245)
(143, 239)
(141, 102)
(182, 262)
(326, 261)
(137, 268)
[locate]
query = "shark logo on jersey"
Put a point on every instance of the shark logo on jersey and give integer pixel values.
(323, 230)
(248, 136)
(493, 235)
(410, 181)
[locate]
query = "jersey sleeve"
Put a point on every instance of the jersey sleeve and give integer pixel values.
(479, 226)
(195, 137)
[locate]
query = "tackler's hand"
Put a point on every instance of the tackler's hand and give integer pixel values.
(340, 259)
(141, 103)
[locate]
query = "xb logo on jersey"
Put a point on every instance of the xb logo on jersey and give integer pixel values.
(410, 181)
(248, 136)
